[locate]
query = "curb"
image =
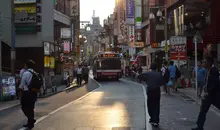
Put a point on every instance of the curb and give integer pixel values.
(5, 108)
(212, 108)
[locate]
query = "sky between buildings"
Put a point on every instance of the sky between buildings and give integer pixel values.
(103, 8)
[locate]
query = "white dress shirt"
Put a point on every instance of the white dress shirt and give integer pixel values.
(25, 80)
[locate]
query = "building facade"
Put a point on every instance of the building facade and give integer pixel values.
(37, 27)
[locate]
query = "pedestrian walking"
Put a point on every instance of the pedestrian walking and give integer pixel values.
(79, 75)
(30, 86)
(154, 81)
(172, 70)
(85, 74)
(211, 91)
(166, 75)
(201, 73)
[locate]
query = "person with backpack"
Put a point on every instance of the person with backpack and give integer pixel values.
(30, 85)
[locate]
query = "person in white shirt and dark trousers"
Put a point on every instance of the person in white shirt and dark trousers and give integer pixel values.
(28, 98)
(79, 75)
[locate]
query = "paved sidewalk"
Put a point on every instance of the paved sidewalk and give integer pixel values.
(191, 92)
(115, 105)
(8, 104)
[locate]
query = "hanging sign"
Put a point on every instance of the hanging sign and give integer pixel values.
(131, 33)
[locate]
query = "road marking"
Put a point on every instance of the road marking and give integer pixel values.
(55, 111)
(145, 101)
(24, 128)
(4, 108)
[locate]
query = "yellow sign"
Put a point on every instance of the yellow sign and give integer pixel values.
(52, 62)
(25, 9)
(46, 61)
(137, 44)
(166, 48)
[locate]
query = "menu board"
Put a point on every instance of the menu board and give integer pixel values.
(8, 86)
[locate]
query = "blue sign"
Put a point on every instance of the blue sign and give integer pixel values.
(129, 8)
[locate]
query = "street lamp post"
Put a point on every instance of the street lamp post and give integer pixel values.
(159, 14)
(12, 39)
(197, 39)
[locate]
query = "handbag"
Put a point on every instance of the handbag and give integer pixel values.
(170, 83)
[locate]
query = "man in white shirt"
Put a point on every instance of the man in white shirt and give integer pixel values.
(79, 75)
(28, 98)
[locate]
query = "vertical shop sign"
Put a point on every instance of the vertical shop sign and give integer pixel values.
(131, 33)
(129, 8)
(66, 45)
(130, 12)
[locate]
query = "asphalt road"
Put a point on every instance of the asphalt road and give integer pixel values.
(115, 105)
(13, 118)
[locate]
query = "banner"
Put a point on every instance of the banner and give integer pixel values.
(129, 8)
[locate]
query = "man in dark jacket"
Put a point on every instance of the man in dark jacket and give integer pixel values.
(210, 92)
(153, 92)
(85, 73)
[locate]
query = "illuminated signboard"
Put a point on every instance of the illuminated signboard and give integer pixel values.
(26, 9)
(110, 55)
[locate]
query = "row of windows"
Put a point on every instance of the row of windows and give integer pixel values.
(63, 6)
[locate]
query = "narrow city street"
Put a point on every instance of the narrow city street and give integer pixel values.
(13, 118)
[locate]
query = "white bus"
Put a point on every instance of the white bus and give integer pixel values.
(107, 65)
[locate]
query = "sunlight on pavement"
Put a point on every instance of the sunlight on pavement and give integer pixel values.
(117, 112)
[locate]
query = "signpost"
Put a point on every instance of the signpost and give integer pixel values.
(0, 44)
(197, 39)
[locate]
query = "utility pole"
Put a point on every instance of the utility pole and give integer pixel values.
(12, 39)
(165, 34)
(0, 44)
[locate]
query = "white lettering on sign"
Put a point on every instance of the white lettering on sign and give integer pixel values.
(178, 48)
(175, 40)
(28, 19)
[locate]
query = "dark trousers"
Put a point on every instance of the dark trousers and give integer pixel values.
(206, 104)
(79, 79)
(28, 100)
(86, 78)
(153, 103)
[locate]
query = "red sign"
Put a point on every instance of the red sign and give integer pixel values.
(180, 56)
(177, 48)
(178, 52)
(154, 45)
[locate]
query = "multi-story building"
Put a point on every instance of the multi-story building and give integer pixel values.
(37, 25)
